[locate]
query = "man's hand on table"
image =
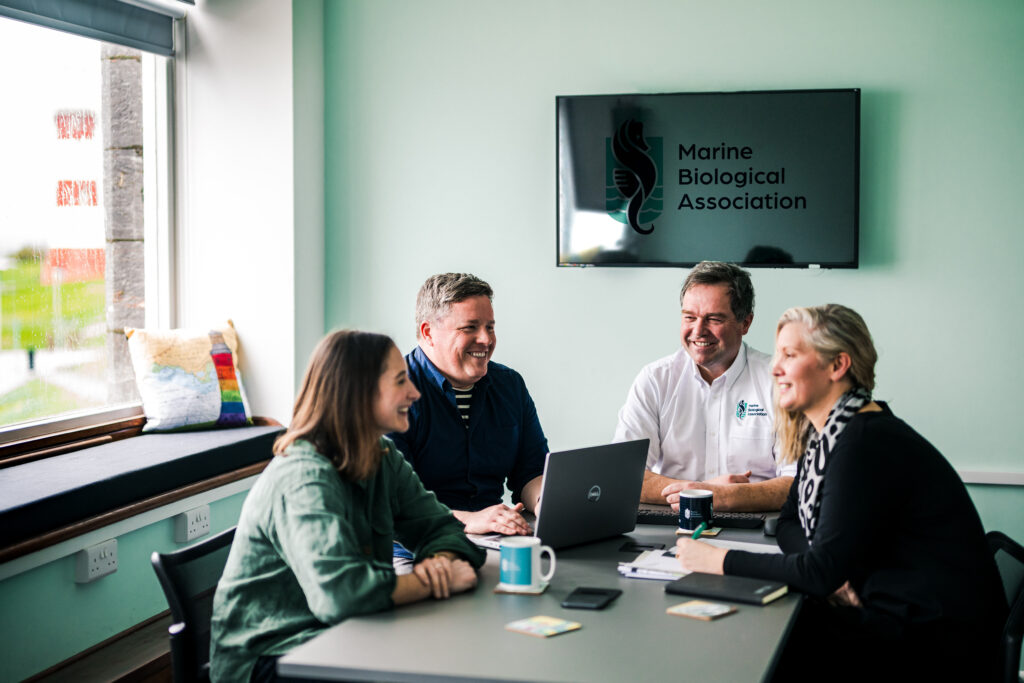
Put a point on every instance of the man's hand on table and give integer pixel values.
(497, 518)
(716, 485)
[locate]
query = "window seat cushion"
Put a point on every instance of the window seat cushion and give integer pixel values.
(47, 494)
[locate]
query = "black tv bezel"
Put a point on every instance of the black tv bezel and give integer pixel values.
(854, 263)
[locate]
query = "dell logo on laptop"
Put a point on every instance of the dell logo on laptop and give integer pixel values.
(594, 494)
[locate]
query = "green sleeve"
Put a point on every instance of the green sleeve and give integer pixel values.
(422, 523)
(312, 528)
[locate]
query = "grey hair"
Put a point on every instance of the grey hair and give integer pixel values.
(440, 291)
(741, 290)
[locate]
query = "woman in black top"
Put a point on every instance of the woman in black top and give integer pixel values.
(878, 530)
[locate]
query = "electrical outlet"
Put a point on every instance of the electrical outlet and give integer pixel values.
(190, 525)
(95, 561)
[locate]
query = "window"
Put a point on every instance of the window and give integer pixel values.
(83, 225)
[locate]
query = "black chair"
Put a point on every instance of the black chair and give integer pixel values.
(189, 577)
(1010, 559)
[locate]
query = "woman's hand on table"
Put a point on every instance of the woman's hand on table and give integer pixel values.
(445, 576)
(436, 574)
(463, 576)
(696, 556)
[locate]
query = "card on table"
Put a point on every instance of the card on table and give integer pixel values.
(701, 609)
(543, 627)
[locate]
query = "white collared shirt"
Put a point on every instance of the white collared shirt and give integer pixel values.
(700, 431)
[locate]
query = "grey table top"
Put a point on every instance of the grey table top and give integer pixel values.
(464, 638)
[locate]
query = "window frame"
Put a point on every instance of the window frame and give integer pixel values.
(27, 441)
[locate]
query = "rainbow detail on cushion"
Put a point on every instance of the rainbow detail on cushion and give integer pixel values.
(232, 410)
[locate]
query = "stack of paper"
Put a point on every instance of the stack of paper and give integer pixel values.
(653, 564)
(767, 548)
(662, 565)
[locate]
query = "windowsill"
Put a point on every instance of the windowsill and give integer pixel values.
(45, 439)
(47, 501)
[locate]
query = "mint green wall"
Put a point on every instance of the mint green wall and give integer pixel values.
(46, 617)
(440, 155)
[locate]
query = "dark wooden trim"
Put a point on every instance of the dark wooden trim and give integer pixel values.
(43, 446)
(154, 671)
(140, 671)
(78, 528)
(34, 448)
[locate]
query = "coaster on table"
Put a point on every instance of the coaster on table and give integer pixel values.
(543, 627)
(520, 590)
(713, 531)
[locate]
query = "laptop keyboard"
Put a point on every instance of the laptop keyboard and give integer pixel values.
(665, 515)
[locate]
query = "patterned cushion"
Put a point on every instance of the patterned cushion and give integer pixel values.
(189, 379)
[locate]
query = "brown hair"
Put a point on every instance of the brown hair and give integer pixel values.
(334, 407)
(831, 329)
(737, 280)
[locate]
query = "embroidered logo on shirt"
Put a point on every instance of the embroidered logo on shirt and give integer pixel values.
(743, 409)
(594, 494)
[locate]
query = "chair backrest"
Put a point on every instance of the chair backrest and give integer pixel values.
(1009, 556)
(189, 577)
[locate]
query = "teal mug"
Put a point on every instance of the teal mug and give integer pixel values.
(520, 563)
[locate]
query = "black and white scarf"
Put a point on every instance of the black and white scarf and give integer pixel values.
(816, 457)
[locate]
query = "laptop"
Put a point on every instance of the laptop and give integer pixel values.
(588, 494)
(591, 493)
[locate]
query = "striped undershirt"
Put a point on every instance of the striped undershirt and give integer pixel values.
(463, 397)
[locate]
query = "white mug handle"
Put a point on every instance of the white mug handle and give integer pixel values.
(551, 567)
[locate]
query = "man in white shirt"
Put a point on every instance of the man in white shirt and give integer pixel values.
(707, 408)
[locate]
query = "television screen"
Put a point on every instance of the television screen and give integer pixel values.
(756, 178)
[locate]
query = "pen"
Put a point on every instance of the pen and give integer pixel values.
(699, 530)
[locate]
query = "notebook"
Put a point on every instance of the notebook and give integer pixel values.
(731, 588)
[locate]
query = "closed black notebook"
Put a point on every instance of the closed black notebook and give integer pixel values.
(732, 588)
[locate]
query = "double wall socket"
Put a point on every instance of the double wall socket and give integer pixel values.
(95, 561)
(192, 524)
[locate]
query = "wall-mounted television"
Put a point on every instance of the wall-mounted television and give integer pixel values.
(765, 178)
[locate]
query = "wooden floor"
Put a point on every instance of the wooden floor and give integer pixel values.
(142, 656)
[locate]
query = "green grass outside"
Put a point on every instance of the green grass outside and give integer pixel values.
(27, 308)
(36, 399)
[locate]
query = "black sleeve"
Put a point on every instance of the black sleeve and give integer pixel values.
(533, 446)
(789, 534)
(852, 510)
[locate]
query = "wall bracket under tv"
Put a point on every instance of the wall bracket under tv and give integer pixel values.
(761, 178)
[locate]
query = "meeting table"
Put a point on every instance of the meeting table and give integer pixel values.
(465, 639)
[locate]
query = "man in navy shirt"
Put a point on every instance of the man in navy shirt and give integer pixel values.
(475, 426)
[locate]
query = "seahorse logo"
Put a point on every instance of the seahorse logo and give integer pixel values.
(634, 195)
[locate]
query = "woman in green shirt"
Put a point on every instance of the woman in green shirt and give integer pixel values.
(314, 538)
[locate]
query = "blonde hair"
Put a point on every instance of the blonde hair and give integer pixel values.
(334, 408)
(831, 329)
